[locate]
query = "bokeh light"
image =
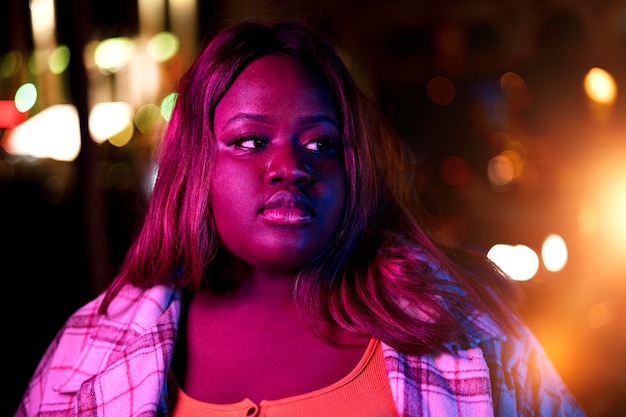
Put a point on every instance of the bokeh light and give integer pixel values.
(10, 64)
(42, 14)
(441, 90)
(554, 253)
(167, 105)
(124, 136)
(147, 117)
(518, 95)
(600, 86)
(519, 262)
(52, 133)
(113, 55)
(163, 46)
(59, 59)
(500, 171)
(25, 97)
(111, 121)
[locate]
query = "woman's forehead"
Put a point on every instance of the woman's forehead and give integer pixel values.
(275, 84)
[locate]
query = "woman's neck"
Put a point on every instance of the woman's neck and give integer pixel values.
(253, 283)
(233, 345)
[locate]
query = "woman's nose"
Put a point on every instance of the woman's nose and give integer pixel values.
(288, 165)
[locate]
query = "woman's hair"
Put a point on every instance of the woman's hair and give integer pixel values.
(381, 275)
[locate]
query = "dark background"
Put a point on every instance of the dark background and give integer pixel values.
(65, 226)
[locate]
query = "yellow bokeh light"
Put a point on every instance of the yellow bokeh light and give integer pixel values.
(163, 46)
(600, 86)
(59, 59)
(124, 136)
(147, 117)
(109, 120)
(114, 54)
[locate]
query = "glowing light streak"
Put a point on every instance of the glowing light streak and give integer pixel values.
(52, 133)
(44, 27)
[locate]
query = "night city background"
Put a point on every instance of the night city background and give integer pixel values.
(516, 111)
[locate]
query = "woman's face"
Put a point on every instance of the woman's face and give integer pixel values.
(278, 189)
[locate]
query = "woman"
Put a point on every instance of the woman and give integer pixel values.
(281, 268)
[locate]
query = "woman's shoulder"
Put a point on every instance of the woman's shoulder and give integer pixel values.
(143, 304)
(132, 309)
(90, 338)
(524, 377)
(130, 298)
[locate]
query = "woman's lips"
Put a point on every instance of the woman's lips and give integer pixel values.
(288, 208)
(287, 216)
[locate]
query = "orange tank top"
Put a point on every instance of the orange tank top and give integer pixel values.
(365, 391)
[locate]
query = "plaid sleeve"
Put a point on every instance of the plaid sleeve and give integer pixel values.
(439, 385)
(524, 381)
(108, 366)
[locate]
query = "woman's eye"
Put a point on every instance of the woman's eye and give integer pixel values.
(321, 145)
(251, 142)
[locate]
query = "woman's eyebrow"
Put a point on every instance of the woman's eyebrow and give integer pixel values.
(246, 116)
(321, 118)
(307, 120)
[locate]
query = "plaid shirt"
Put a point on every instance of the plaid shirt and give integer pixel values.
(117, 365)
